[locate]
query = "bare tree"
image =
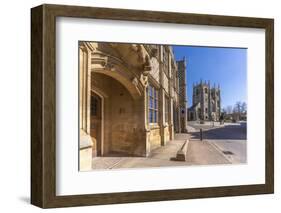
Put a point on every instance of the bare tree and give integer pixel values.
(229, 109)
(240, 110)
(237, 107)
(244, 107)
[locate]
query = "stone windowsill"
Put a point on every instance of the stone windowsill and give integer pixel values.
(154, 126)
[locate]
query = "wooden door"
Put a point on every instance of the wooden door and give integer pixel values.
(96, 122)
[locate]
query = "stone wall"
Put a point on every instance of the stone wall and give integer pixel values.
(85, 162)
(155, 69)
(85, 141)
(85, 151)
(166, 134)
(154, 138)
(165, 83)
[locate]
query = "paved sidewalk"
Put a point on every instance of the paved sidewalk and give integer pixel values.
(199, 153)
(159, 157)
(235, 150)
(203, 153)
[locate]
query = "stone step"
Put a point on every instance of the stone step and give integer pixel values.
(181, 154)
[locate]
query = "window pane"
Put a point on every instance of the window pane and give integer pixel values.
(155, 104)
(150, 91)
(150, 102)
(150, 116)
(155, 117)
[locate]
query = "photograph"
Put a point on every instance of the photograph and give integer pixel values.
(169, 105)
(159, 105)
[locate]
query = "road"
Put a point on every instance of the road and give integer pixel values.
(229, 139)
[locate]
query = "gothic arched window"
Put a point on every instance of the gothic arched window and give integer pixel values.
(153, 104)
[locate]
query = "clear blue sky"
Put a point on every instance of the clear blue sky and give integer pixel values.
(224, 66)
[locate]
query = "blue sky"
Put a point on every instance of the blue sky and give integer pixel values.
(224, 66)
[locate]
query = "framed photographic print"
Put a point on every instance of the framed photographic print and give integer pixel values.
(136, 106)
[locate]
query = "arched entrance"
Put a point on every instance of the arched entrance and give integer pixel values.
(122, 116)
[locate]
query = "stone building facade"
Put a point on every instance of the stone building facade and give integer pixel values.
(129, 99)
(206, 102)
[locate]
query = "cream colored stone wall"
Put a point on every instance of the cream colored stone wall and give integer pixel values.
(171, 132)
(85, 151)
(155, 70)
(165, 83)
(85, 156)
(154, 138)
(166, 134)
(85, 141)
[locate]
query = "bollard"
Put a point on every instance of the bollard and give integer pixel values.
(201, 134)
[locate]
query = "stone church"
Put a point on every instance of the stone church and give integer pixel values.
(129, 99)
(206, 102)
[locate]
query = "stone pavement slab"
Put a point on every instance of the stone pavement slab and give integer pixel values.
(234, 150)
(203, 153)
(105, 162)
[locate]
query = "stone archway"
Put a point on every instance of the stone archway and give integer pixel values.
(126, 67)
(123, 117)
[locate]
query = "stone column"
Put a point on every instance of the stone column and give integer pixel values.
(146, 122)
(162, 114)
(161, 102)
(179, 119)
(86, 143)
(171, 119)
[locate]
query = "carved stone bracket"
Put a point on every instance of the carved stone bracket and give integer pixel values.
(144, 80)
(146, 66)
(135, 81)
(101, 61)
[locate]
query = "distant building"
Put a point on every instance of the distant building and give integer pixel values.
(206, 102)
(181, 64)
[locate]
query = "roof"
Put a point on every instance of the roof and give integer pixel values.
(194, 106)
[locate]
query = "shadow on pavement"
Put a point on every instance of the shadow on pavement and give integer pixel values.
(229, 132)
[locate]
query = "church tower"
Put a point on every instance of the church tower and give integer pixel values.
(206, 102)
(181, 64)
